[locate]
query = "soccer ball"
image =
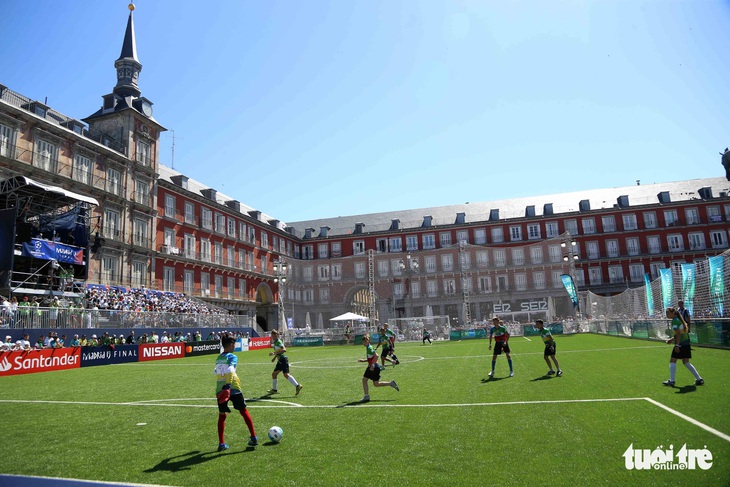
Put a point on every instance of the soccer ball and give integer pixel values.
(275, 434)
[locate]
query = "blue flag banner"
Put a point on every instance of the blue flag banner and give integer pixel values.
(649, 295)
(570, 287)
(717, 284)
(666, 277)
(688, 286)
(48, 250)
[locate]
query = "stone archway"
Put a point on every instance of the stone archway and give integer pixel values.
(265, 307)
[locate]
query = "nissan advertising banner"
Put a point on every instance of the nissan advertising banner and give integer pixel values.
(30, 361)
(161, 351)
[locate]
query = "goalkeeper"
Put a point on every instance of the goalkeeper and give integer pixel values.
(228, 388)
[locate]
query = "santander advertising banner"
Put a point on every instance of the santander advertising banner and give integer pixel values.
(259, 343)
(30, 361)
(161, 351)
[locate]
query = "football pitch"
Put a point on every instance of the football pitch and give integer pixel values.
(155, 422)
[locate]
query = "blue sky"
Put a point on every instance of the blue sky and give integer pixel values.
(321, 108)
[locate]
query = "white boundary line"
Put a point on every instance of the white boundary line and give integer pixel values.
(286, 404)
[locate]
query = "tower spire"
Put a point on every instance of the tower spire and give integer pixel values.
(128, 66)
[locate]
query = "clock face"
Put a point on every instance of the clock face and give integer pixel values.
(147, 109)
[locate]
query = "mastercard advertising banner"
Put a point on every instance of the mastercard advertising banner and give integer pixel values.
(31, 361)
(202, 348)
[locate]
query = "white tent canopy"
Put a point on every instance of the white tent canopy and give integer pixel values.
(350, 317)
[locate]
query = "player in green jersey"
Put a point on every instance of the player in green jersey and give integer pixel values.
(282, 365)
(228, 388)
(682, 349)
(501, 337)
(372, 372)
(547, 338)
(384, 339)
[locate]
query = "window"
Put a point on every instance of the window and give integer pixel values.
(571, 226)
(595, 276)
(675, 243)
(169, 238)
(231, 287)
(558, 281)
(142, 192)
(252, 234)
(480, 236)
(447, 263)
(449, 286)
(168, 279)
(482, 259)
(141, 232)
(359, 270)
(324, 295)
(533, 231)
(713, 214)
(630, 222)
(169, 206)
(609, 223)
(727, 212)
(336, 249)
(220, 223)
(205, 284)
(538, 279)
(655, 246)
(112, 224)
(696, 241)
(396, 244)
(231, 227)
(242, 231)
(189, 250)
(82, 169)
(358, 247)
(518, 256)
(430, 262)
(46, 155)
(466, 284)
(520, 282)
(465, 261)
(551, 229)
(265, 240)
(114, 181)
(308, 252)
(429, 241)
(398, 290)
(411, 242)
(206, 214)
(589, 225)
(381, 245)
(189, 212)
(218, 253)
(500, 258)
(230, 256)
(555, 253)
(323, 251)
(718, 239)
(110, 269)
(497, 235)
(536, 255)
(218, 286)
(462, 236)
(205, 250)
(139, 273)
(670, 217)
(241, 259)
(336, 272)
(692, 216)
(415, 289)
(636, 272)
(615, 274)
(324, 272)
(655, 269)
(242, 288)
(484, 284)
(650, 219)
(383, 268)
(592, 250)
(143, 153)
(7, 141)
(432, 288)
(188, 281)
(612, 248)
(515, 233)
(502, 283)
(307, 274)
(632, 246)
(445, 239)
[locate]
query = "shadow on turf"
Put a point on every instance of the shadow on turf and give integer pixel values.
(492, 379)
(686, 389)
(187, 460)
(543, 377)
(358, 403)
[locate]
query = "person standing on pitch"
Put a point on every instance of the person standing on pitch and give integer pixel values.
(228, 388)
(282, 365)
(501, 337)
(684, 313)
(682, 348)
(372, 372)
(547, 338)
(384, 340)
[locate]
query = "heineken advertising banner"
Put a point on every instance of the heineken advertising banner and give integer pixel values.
(570, 287)
(308, 341)
(688, 286)
(666, 277)
(649, 295)
(717, 283)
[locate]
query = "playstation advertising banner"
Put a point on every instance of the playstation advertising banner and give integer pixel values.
(47, 250)
(107, 354)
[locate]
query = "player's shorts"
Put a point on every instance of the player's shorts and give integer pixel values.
(386, 350)
(500, 347)
(282, 364)
(239, 403)
(372, 374)
(685, 351)
(550, 349)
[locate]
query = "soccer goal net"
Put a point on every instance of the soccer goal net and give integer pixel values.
(412, 329)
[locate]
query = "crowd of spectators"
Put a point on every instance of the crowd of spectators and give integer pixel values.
(122, 299)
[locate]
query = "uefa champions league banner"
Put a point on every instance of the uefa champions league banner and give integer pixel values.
(688, 286)
(47, 250)
(570, 287)
(649, 295)
(717, 283)
(666, 277)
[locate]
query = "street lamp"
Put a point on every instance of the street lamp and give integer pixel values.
(410, 266)
(280, 272)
